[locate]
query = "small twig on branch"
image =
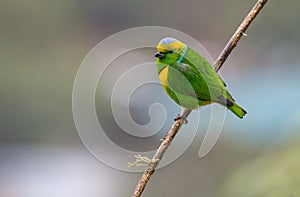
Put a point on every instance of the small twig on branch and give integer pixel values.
(179, 122)
(159, 153)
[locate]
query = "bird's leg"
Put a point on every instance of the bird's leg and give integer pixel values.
(183, 116)
(179, 116)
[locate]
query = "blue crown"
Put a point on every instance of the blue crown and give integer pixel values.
(167, 40)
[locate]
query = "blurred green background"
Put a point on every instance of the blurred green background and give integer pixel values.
(42, 46)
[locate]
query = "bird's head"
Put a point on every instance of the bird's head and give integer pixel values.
(170, 50)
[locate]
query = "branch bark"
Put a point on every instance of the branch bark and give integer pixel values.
(178, 123)
(238, 34)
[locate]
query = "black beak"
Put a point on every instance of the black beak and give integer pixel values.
(160, 55)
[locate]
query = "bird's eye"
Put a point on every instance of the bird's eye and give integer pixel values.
(171, 51)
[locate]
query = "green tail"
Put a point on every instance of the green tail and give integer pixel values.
(237, 110)
(232, 106)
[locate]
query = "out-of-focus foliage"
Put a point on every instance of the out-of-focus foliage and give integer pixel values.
(275, 173)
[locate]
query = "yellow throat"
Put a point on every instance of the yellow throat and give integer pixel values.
(163, 77)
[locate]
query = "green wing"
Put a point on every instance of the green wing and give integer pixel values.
(186, 86)
(205, 82)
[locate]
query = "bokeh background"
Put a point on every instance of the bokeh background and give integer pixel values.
(42, 46)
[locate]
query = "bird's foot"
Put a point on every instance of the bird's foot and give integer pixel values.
(179, 117)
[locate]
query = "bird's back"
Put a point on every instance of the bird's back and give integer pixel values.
(206, 83)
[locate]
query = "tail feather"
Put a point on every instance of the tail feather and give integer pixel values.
(237, 110)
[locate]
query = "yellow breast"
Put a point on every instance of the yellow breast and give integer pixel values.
(163, 77)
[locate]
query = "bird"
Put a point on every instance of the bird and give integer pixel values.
(189, 79)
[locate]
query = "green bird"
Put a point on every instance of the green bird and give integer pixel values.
(189, 79)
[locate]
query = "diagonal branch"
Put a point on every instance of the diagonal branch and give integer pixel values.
(178, 123)
(238, 34)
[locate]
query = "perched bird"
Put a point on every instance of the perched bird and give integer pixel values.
(189, 79)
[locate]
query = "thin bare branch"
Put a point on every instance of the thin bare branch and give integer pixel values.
(178, 123)
(159, 153)
(238, 34)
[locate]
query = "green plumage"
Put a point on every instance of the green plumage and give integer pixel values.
(191, 82)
